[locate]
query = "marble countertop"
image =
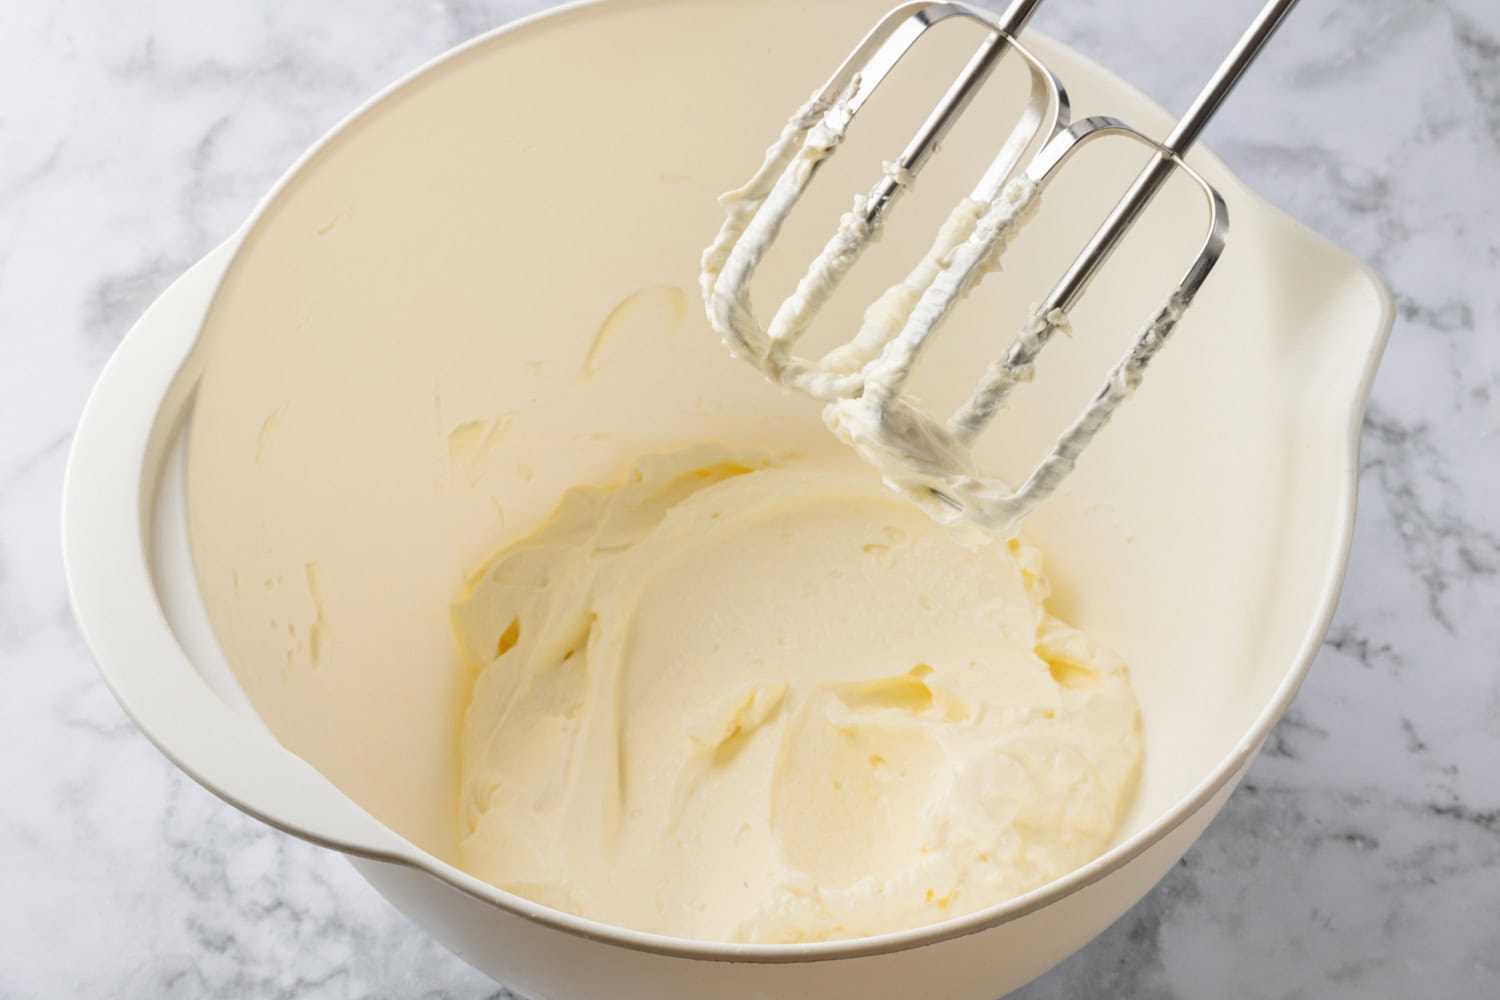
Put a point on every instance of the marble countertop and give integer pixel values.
(1361, 858)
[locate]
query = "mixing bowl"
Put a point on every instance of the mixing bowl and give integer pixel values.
(480, 290)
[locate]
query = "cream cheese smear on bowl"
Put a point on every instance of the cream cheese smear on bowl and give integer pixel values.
(751, 697)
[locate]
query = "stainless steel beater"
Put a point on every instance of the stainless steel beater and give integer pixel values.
(929, 459)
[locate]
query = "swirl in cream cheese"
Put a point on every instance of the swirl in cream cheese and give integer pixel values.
(750, 698)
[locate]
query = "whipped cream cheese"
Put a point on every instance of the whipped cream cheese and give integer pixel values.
(746, 697)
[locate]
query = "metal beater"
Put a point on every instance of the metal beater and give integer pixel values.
(929, 459)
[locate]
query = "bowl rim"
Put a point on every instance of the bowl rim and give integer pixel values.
(983, 919)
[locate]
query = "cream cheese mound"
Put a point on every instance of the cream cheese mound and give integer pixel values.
(742, 697)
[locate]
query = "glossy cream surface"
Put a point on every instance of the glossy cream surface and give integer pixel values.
(747, 698)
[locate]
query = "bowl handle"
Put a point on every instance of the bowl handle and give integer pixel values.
(109, 491)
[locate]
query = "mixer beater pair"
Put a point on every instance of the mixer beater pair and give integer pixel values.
(862, 382)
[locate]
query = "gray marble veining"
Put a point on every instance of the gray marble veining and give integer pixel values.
(1360, 859)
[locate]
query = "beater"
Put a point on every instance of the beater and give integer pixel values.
(862, 382)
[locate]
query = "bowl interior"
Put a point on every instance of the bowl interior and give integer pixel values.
(483, 291)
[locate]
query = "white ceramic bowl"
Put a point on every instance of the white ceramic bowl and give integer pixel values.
(267, 511)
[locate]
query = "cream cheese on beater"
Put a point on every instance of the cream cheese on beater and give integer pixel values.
(747, 697)
(928, 460)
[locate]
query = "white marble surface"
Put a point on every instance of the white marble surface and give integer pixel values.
(1362, 856)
